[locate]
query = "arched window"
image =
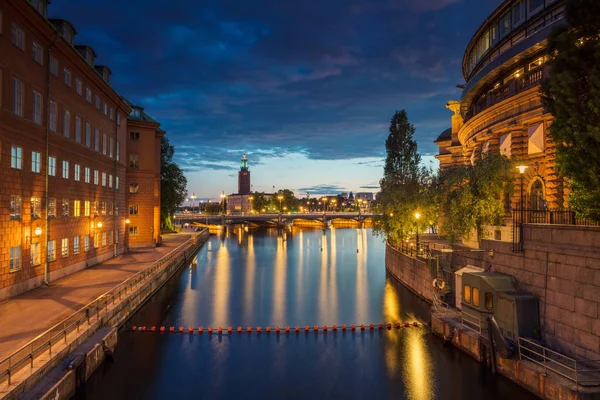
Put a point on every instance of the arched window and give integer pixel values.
(537, 196)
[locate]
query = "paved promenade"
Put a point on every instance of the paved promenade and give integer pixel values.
(24, 317)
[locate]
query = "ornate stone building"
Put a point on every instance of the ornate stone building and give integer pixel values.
(500, 109)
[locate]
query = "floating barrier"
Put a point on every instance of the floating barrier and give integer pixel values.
(278, 329)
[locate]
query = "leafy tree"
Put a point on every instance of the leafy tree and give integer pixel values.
(572, 95)
(172, 183)
(260, 201)
(213, 208)
(289, 201)
(406, 185)
(473, 196)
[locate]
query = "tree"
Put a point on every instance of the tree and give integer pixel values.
(172, 183)
(572, 95)
(289, 201)
(405, 186)
(472, 197)
(260, 202)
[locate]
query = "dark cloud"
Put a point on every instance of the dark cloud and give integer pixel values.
(318, 77)
(371, 187)
(322, 189)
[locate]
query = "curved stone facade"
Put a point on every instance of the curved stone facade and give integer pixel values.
(500, 108)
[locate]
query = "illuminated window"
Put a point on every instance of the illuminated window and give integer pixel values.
(86, 242)
(51, 207)
(15, 259)
(65, 169)
(87, 175)
(134, 188)
(133, 209)
(76, 208)
(76, 245)
(35, 254)
(52, 166)
(65, 208)
(77, 172)
(86, 208)
(133, 231)
(16, 157)
(64, 248)
(467, 294)
(489, 301)
(35, 161)
(15, 206)
(134, 161)
(36, 207)
(518, 13)
(51, 250)
(476, 297)
(537, 138)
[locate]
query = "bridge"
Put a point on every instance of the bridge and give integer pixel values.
(270, 219)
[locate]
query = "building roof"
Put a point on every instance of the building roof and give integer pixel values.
(445, 135)
(60, 21)
(143, 116)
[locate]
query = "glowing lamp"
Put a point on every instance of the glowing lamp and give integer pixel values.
(37, 231)
(522, 168)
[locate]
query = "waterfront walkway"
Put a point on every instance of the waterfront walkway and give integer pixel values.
(24, 317)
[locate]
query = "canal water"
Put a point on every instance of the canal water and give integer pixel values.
(290, 277)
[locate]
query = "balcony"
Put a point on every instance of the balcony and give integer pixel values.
(511, 88)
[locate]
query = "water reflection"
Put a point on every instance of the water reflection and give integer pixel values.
(417, 366)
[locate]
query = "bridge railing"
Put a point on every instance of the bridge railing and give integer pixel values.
(44, 342)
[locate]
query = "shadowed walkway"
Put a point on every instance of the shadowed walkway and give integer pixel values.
(24, 317)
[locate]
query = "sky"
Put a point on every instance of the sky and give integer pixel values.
(306, 88)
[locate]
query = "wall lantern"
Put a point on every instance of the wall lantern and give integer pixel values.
(37, 231)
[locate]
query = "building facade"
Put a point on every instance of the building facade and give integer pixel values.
(63, 163)
(240, 203)
(500, 109)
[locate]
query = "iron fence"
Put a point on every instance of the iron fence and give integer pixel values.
(90, 313)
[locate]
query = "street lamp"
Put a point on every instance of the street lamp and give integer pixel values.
(223, 202)
(333, 203)
(251, 198)
(417, 216)
(280, 198)
(521, 169)
(127, 222)
(193, 197)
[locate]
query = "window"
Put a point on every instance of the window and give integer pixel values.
(64, 248)
(104, 143)
(112, 114)
(133, 209)
(110, 148)
(67, 77)
(134, 161)
(504, 25)
(36, 207)
(104, 179)
(110, 181)
(78, 86)
(116, 183)
(15, 206)
(97, 101)
(103, 238)
(105, 108)
(51, 250)
(53, 66)
(17, 97)
(36, 102)
(18, 37)
(96, 208)
(15, 259)
(111, 208)
(476, 297)
(86, 242)
(78, 129)
(67, 124)
(37, 53)
(88, 134)
(89, 57)
(65, 208)
(51, 207)
(76, 245)
(467, 293)
(118, 119)
(65, 169)
(86, 208)
(35, 161)
(95, 177)
(52, 166)
(35, 254)
(77, 172)
(76, 208)
(88, 95)
(97, 139)
(518, 14)
(96, 239)
(103, 208)
(52, 117)
(16, 157)
(116, 236)
(134, 188)
(117, 151)
(133, 231)
(134, 136)
(489, 301)
(534, 6)
(86, 175)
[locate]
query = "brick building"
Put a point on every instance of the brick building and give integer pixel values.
(500, 109)
(63, 156)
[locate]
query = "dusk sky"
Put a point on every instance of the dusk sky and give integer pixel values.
(305, 88)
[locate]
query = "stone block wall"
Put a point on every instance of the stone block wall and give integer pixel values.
(410, 271)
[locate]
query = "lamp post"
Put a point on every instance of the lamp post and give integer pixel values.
(333, 203)
(280, 198)
(223, 202)
(521, 169)
(251, 198)
(417, 216)
(127, 222)
(193, 197)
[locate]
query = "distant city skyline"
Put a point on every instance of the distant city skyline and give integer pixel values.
(307, 89)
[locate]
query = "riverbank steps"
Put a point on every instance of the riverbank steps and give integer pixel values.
(74, 358)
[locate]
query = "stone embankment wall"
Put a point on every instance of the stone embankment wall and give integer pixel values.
(410, 271)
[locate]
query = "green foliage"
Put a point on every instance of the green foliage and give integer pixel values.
(572, 95)
(172, 183)
(289, 201)
(260, 201)
(406, 187)
(472, 196)
(213, 208)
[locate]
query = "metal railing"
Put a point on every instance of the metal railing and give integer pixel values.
(88, 314)
(581, 372)
(472, 322)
